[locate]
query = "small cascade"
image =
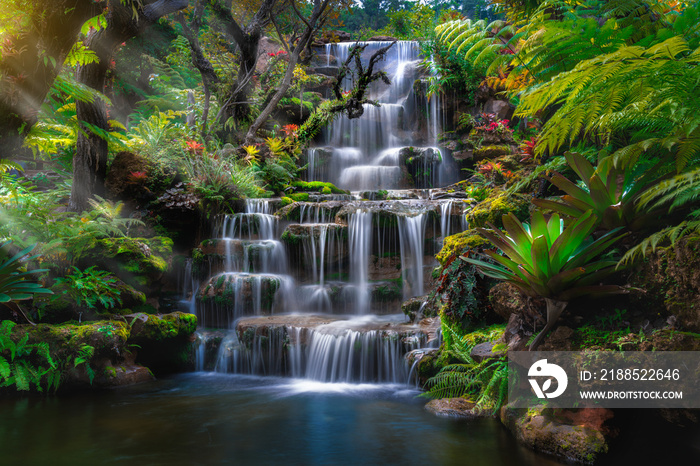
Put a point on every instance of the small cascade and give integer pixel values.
(412, 235)
(354, 350)
(375, 150)
(360, 229)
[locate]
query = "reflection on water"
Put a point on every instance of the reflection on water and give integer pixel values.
(225, 419)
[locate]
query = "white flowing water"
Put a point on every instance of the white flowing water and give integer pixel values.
(336, 261)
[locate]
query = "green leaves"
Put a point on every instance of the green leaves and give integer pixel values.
(91, 288)
(610, 192)
(547, 259)
(22, 363)
(14, 282)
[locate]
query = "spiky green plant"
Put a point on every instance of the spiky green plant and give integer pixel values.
(610, 192)
(550, 260)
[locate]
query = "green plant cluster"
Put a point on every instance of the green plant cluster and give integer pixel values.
(25, 365)
(90, 288)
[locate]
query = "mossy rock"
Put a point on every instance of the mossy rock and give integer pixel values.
(550, 432)
(300, 197)
(491, 152)
(159, 327)
(459, 243)
(137, 261)
(163, 342)
(494, 208)
(105, 336)
(317, 187)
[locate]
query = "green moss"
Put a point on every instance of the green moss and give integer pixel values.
(326, 190)
(300, 197)
(285, 201)
(459, 243)
(490, 152)
(290, 238)
(317, 186)
(160, 327)
(492, 209)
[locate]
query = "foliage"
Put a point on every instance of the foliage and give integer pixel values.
(219, 181)
(457, 289)
(451, 71)
(25, 365)
(15, 284)
(485, 382)
(548, 259)
(610, 192)
(671, 195)
(90, 288)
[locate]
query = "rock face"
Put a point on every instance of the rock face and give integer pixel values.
(415, 308)
(502, 109)
(484, 351)
(381, 39)
(671, 281)
(571, 435)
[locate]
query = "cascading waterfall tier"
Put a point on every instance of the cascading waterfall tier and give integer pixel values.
(391, 146)
(313, 289)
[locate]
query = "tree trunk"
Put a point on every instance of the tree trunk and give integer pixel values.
(311, 24)
(30, 63)
(206, 70)
(236, 105)
(90, 159)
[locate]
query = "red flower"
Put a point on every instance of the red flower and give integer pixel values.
(138, 177)
(290, 130)
(194, 147)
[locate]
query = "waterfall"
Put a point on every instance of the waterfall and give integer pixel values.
(314, 290)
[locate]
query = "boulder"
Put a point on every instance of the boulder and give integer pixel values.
(452, 407)
(577, 436)
(121, 182)
(506, 299)
(502, 109)
(484, 351)
(417, 308)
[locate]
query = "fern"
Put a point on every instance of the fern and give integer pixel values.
(452, 381)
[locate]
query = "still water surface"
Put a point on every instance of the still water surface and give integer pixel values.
(207, 419)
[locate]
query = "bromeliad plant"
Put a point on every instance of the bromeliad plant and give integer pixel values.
(610, 192)
(549, 260)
